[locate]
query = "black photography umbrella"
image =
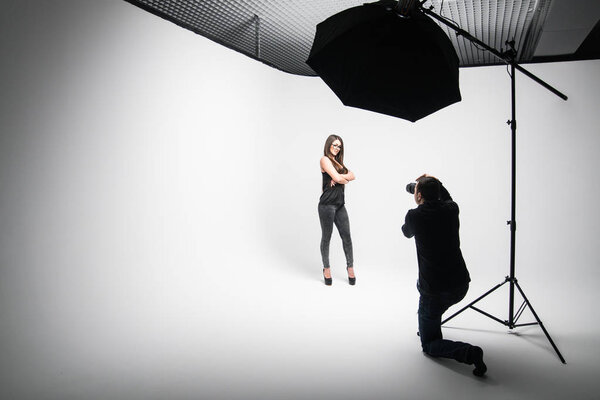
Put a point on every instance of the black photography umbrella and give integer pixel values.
(375, 59)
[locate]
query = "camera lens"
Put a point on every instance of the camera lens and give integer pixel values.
(410, 188)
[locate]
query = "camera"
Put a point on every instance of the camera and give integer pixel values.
(410, 188)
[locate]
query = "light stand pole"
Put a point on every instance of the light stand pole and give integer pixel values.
(509, 58)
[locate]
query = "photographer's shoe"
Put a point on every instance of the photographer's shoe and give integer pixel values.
(476, 358)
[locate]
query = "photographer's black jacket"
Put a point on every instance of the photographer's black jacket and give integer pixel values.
(435, 225)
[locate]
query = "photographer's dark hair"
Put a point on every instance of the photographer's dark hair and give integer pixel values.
(429, 188)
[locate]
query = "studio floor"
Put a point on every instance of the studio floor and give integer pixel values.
(273, 331)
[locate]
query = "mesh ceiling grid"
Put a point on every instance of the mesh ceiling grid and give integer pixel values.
(534, 32)
(280, 32)
(492, 22)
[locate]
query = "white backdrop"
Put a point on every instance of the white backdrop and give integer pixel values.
(150, 178)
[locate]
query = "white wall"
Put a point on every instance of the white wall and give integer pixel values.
(131, 147)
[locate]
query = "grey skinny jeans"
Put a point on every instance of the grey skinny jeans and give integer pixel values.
(330, 214)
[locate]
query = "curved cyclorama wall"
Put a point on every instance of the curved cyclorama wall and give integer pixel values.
(159, 219)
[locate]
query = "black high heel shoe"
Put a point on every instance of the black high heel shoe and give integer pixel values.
(328, 281)
(351, 281)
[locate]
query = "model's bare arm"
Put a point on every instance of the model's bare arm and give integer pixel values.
(327, 166)
(349, 176)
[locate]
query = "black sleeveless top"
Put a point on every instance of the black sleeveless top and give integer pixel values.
(332, 195)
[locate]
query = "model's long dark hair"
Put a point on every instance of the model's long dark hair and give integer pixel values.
(337, 161)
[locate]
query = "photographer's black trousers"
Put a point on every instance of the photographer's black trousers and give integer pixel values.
(431, 308)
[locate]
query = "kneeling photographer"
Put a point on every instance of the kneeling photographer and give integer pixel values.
(443, 276)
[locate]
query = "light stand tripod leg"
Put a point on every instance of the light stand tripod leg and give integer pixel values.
(540, 323)
(475, 301)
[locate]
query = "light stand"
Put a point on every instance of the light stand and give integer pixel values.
(509, 58)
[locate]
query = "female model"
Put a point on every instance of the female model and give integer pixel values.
(331, 204)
